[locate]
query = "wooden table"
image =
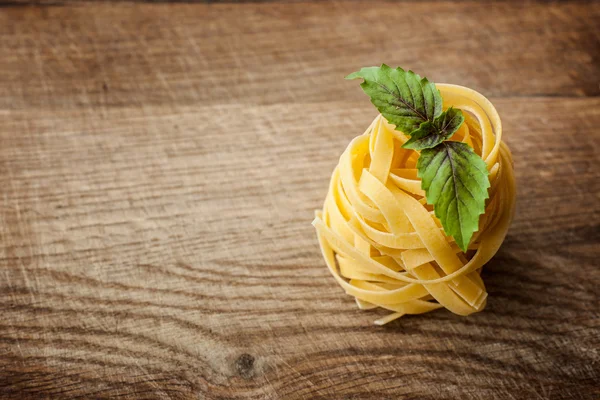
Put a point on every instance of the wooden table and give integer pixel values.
(160, 164)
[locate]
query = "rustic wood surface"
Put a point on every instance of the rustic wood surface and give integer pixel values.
(160, 164)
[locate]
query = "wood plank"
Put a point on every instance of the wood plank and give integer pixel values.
(111, 55)
(159, 179)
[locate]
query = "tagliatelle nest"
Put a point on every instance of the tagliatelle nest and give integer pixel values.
(382, 241)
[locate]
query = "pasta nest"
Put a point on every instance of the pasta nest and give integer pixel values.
(380, 238)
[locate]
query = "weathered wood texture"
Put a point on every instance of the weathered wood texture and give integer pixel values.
(160, 164)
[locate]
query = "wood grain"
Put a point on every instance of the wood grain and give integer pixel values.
(160, 164)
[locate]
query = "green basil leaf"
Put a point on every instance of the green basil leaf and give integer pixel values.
(430, 134)
(402, 97)
(455, 180)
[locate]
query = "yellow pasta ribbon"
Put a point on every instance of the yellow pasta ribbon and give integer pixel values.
(381, 240)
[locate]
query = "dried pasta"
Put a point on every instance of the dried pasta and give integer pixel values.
(381, 240)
